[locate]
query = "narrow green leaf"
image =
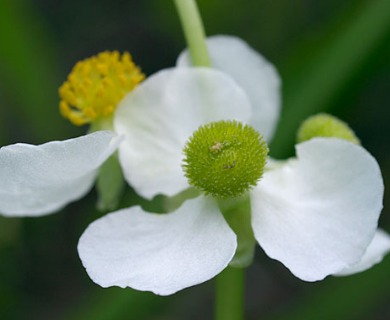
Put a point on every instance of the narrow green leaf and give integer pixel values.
(28, 70)
(330, 68)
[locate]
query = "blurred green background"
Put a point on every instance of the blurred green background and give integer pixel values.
(332, 55)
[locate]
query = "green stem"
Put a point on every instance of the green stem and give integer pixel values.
(237, 213)
(193, 31)
(230, 294)
(104, 123)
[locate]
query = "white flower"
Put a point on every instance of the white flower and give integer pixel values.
(317, 213)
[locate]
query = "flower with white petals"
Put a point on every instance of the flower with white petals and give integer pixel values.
(316, 213)
(38, 180)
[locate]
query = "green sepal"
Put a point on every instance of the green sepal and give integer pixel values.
(172, 203)
(237, 213)
(110, 184)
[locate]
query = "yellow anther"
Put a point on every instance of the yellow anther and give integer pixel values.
(103, 69)
(96, 85)
(90, 113)
(64, 109)
(122, 79)
(108, 110)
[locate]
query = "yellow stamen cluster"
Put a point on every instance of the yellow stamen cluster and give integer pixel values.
(96, 85)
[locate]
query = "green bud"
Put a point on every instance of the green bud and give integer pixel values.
(225, 159)
(325, 125)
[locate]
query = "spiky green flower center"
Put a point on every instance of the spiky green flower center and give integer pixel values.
(225, 159)
(325, 125)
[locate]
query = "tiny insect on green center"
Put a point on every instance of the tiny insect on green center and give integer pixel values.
(225, 158)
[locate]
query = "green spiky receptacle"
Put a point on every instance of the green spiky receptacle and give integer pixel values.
(325, 125)
(225, 159)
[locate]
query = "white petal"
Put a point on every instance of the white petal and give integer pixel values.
(259, 78)
(162, 253)
(160, 115)
(37, 180)
(318, 214)
(378, 248)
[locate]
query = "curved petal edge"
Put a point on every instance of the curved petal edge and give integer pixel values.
(317, 214)
(38, 180)
(162, 253)
(378, 248)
